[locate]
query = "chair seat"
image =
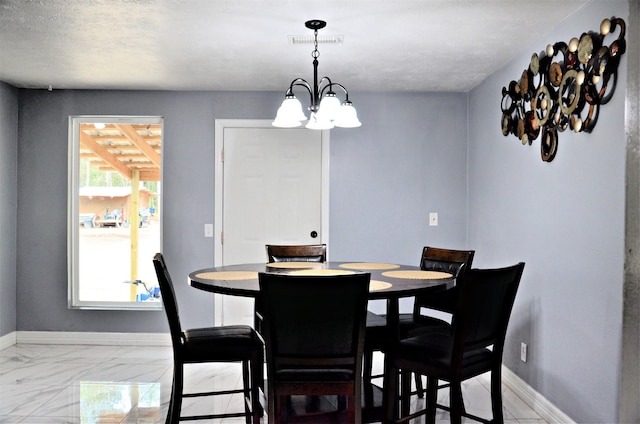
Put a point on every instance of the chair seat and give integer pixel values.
(411, 326)
(375, 321)
(226, 343)
(434, 351)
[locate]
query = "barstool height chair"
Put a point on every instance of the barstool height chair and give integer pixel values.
(232, 343)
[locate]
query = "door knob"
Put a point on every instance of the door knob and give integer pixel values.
(314, 234)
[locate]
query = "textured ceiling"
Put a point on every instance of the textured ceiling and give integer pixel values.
(389, 45)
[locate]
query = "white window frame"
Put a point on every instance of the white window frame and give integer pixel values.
(73, 209)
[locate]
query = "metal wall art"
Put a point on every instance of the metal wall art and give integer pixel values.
(564, 87)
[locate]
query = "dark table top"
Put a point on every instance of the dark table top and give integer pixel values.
(387, 280)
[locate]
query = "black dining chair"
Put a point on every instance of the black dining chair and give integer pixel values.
(314, 336)
(455, 262)
(473, 346)
(422, 319)
(233, 343)
(288, 253)
(376, 332)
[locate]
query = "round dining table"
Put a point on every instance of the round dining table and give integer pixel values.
(388, 281)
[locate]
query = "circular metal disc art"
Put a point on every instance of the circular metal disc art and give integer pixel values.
(561, 85)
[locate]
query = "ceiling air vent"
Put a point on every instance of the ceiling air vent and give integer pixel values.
(336, 39)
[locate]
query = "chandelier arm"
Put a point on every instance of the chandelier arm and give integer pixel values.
(328, 84)
(346, 93)
(300, 82)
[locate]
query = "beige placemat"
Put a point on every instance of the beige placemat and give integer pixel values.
(375, 285)
(295, 264)
(318, 272)
(228, 275)
(368, 265)
(417, 275)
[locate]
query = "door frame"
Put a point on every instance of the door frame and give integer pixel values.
(220, 126)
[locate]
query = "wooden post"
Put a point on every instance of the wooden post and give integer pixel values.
(134, 207)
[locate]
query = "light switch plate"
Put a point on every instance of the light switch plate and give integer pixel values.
(208, 230)
(433, 219)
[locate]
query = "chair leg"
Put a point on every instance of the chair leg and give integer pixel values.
(271, 405)
(246, 390)
(281, 409)
(405, 393)
(367, 366)
(455, 391)
(432, 398)
(170, 408)
(343, 403)
(257, 384)
(496, 394)
(390, 398)
(456, 404)
(419, 386)
(351, 409)
(175, 404)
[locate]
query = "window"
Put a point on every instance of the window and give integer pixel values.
(115, 176)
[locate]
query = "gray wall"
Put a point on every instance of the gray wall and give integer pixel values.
(565, 219)
(8, 208)
(408, 159)
(385, 178)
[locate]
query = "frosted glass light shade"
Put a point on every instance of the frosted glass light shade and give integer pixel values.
(289, 114)
(347, 117)
(329, 106)
(318, 122)
(282, 122)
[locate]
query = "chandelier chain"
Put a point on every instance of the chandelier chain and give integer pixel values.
(315, 53)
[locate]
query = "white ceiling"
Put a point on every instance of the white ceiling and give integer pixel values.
(389, 45)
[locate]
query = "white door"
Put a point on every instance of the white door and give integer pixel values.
(273, 183)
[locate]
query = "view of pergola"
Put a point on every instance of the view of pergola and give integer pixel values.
(119, 225)
(125, 148)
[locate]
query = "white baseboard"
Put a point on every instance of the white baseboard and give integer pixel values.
(7, 340)
(90, 338)
(548, 411)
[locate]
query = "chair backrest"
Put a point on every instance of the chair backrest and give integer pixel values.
(297, 253)
(168, 299)
(484, 307)
(455, 262)
(447, 260)
(314, 321)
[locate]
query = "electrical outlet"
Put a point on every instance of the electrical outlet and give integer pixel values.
(523, 352)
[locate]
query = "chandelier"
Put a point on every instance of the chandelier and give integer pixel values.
(326, 111)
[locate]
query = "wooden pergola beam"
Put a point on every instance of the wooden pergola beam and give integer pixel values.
(151, 175)
(104, 154)
(140, 143)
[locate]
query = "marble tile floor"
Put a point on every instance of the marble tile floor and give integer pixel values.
(51, 384)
